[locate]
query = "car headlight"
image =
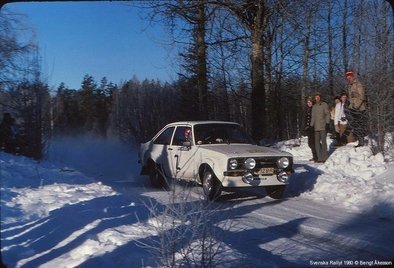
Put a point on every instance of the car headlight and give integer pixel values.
(233, 163)
(283, 162)
(250, 163)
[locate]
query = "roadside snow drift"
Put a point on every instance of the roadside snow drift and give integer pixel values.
(351, 177)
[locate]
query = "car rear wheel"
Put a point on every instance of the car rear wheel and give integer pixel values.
(275, 192)
(156, 176)
(211, 185)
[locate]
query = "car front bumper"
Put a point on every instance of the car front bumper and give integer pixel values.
(248, 179)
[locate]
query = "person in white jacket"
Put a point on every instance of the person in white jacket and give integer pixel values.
(341, 121)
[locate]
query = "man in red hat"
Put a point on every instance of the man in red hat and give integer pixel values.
(357, 107)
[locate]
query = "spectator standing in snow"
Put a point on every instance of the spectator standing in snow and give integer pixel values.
(309, 131)
(8, 133)
(320, 121)
(341, 121)
(357, 107)
(333, 126)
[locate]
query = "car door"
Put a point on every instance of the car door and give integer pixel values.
(160, 151)
(182, 151)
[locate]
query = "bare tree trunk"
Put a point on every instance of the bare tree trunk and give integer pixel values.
(279, 81)
(305, 64)
(226, 110)
(358, 35)
(344, 37)
(330, 51)
(269, 91)
(252, 15)
(257, 75)
(202, 80)
(195, 16)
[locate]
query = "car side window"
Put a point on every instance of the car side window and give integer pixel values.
(182, 134)
(165, 137)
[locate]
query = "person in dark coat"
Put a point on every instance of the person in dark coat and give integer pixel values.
(8, 133)
(320, 121)
(309, 131)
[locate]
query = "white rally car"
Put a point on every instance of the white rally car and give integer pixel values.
(218, 155)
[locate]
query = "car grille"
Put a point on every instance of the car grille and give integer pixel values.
(261, 162)
(264, 166)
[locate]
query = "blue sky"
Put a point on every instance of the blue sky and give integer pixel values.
(108, 39)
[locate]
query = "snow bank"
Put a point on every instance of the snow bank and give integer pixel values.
(55, 216)
(34, 189)
(351, 177)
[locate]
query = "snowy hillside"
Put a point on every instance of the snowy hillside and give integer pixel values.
(86, 206)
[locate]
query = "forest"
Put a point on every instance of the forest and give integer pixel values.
(253, 62)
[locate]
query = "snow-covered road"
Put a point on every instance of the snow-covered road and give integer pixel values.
(300, 231)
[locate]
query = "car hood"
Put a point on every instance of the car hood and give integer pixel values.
(244, 150)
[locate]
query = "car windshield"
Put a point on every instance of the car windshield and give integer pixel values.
(220, 133)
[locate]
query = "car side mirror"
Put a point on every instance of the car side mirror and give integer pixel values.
(187, 144)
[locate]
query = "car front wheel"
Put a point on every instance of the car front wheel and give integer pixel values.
(211, 185)
(156, 177)
(275, 192)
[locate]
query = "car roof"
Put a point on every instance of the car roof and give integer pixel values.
(192, 123)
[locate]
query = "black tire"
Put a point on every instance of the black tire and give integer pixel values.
(156, 176)
(275, 192)
(211, 185)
